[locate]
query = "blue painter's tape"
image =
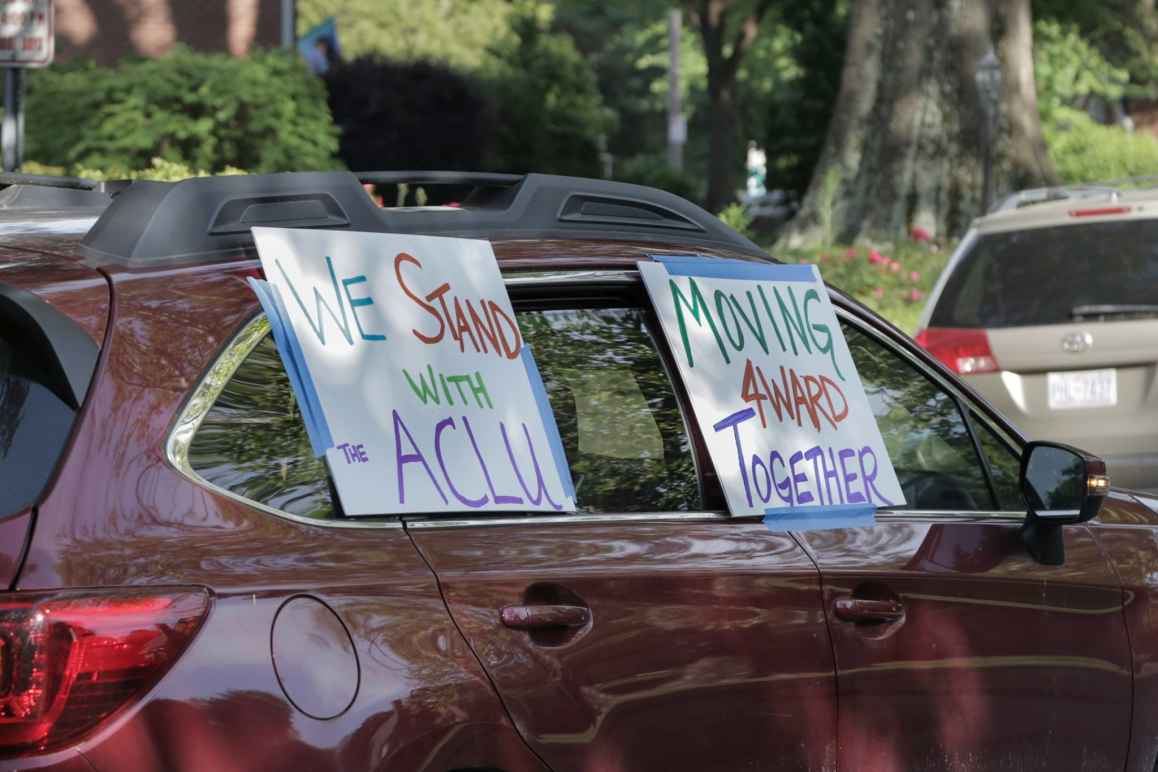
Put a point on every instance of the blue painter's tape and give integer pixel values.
(717, 268)
(320, 437)
(282, 336)
(820, 518)
(548, 416)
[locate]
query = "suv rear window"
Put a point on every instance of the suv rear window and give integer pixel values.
(34, 427)
(1047, 276)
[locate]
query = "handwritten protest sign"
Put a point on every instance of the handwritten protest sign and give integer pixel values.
(774, 390)
(411, 372)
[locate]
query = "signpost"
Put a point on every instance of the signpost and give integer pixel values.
(774, 390)
(26, 40)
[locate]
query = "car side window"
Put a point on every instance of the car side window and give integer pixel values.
(1004, 466)
(253, 442)
(34, 427)
(923, 429)
(618, 417)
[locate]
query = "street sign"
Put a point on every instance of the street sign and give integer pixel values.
(26, 33)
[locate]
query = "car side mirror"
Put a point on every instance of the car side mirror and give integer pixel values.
(1061, 485)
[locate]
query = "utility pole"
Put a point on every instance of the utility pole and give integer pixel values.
(288, 23)
(12, 130)
(677, 126)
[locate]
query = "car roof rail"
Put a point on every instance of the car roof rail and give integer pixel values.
(46, 191)
(198, 218)
(1083, 190)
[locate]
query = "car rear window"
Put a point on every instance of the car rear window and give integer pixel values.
(34, 427)
(1053, 276)
(618, 417)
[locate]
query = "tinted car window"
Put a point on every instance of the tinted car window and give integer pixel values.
(924, 431)
(1052, 275)
(1004, 467)
(253, 441)
(34, 427)
(621, 426)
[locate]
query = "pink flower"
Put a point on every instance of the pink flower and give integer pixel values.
(920, 234)
(878, 293)
(914, 295)
(851, 253)
(876, 257)
(894, 266)
(915, 276)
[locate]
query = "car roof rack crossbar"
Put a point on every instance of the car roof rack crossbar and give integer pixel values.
(151, 222)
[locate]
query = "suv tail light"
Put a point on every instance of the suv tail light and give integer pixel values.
(964, 351)
(69, 660)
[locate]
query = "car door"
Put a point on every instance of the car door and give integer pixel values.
(954, 648)
(643, 631)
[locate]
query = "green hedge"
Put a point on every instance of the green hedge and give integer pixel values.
(1085, 151)
(263, 113)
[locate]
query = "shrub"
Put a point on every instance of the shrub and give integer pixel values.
(1085, 151)
(551, 116)
(207, 111)
(893, 281)
(654, 171)
(413, 115)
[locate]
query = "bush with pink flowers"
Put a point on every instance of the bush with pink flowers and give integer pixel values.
(894, 281)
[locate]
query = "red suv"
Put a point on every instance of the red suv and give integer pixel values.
(185, 593)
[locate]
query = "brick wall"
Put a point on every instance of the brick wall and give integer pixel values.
(106, 30)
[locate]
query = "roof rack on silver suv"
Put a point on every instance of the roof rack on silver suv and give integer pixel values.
(1105, 190)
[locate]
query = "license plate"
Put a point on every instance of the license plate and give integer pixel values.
(1083, 388)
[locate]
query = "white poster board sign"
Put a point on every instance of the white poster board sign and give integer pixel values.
(774, 390)
(411, 372)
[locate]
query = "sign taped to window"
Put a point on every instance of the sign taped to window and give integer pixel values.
(411, 372)
(774, 390)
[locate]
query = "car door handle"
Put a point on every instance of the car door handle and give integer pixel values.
(868, 611)
(544, 617)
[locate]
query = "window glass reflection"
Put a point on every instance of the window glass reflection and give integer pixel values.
(621, 426)
(924, 432)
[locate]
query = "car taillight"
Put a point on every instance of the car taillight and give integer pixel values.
(964, 351)
(69, 660)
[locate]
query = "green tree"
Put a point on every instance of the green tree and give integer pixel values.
(460, 33)
(551, 116)
(263, 113)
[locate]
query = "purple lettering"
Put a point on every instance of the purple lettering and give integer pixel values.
(869, 479)
(802, 497)
(853, 496)
(402, 459)
(783, 487)
(542, 491)
(734, 421)
(439, 428)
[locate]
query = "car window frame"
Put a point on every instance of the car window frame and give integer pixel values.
(971, 406)
(529, 287)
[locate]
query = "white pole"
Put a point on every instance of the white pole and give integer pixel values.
(676, 128)
(288, 22)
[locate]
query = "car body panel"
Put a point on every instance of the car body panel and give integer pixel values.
(998, 662)
(1127, 530)
(119, 514)
(707, 647)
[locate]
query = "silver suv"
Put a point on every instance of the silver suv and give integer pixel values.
(1049, 309)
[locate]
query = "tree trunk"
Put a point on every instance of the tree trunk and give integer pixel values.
(906, 143)
(727, 29)
(723, 165)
